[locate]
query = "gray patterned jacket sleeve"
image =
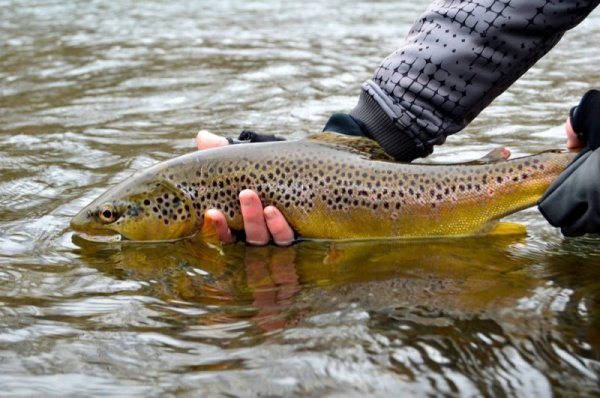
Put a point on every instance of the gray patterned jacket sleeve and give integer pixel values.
(458, 57)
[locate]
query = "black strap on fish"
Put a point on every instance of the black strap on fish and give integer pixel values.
(249, 136)
(572, 202)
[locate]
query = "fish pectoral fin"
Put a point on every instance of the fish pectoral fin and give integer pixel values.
(208, 234)
(507, 228)
(365, 146)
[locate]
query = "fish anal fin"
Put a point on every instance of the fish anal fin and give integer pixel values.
(507, 228)
(362, 145)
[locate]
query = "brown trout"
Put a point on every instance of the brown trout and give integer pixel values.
(327, 186)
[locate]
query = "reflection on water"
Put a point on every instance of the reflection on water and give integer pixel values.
(441, 316)
(91, 91)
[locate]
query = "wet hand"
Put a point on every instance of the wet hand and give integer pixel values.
(573, 201)
(583, 124)
(260, 224)
(572, 141)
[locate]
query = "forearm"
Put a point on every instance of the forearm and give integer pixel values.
(457, 58)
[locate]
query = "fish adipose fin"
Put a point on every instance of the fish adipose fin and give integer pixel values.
(365, 146)
(496, 155)
(499, 154)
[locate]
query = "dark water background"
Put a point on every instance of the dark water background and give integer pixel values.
(91, 91)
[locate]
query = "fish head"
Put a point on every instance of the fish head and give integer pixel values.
(138, 209)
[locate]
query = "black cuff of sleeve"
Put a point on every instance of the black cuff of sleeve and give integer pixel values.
(345, 124)
(379, 126)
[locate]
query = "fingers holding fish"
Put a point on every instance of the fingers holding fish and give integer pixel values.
(258, 226)
(280, 230)
(255, 225)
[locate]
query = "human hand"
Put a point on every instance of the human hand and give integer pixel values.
(572, 141)
(573, 201)
(583, 124)
(260, 224)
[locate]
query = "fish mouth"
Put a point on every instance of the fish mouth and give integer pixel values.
(91, 233)
(100, 238)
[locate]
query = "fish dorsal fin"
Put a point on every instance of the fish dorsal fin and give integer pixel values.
(364, 146)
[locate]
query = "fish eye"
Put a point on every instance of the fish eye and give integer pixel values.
(108, 214)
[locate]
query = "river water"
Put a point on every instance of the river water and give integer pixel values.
(91, 91)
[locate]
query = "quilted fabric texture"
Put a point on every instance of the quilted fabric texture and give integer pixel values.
(457, 58)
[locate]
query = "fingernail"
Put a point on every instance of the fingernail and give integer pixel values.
(284, 242)
(269, 213)
(256, 242)
(246, 198)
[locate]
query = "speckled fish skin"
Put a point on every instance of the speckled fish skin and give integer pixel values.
(325, 191)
